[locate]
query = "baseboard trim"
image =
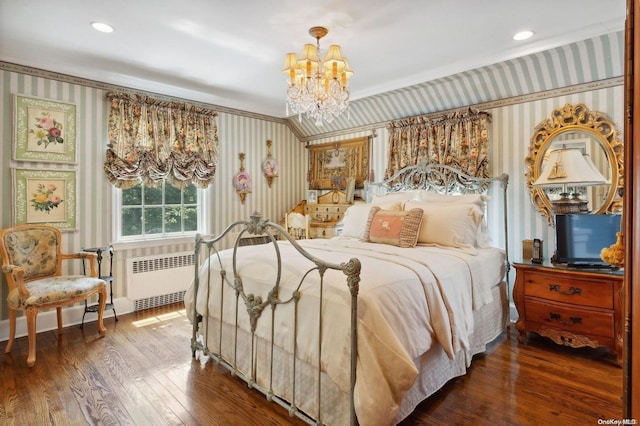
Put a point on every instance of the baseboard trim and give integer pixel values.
(71, 316)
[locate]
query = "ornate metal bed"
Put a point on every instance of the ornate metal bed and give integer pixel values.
(237, 307)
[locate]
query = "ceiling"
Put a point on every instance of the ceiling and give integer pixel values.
(231, 53)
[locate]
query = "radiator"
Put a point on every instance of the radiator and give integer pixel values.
(159, 280)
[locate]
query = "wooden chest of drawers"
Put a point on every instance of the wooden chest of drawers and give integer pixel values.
(571, 307)
(324, 218)
(326, 212)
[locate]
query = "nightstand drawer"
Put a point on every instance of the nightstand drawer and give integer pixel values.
(322, 229)
(594, 293)
(594, 322)
(326, 212)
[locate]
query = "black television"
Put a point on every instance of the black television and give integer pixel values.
(581, 237)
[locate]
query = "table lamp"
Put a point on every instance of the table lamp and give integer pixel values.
(567, 167)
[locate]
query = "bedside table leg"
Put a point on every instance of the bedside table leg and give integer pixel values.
(522, 333)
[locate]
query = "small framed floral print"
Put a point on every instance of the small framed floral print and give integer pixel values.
(45, 197)
(312, 196)
(44, 130)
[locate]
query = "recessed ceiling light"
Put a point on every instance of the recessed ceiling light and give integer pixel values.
(523, 35)
(102, 27)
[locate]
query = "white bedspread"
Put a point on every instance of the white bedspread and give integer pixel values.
(409, 299)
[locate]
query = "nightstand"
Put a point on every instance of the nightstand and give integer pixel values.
(571, 306)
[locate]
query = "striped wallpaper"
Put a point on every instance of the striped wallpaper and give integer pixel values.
(95, 198)
(594, 59)
(511, 128)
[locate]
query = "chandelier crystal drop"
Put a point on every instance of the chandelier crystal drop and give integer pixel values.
(318, 81)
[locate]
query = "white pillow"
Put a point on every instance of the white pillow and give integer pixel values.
(355, 218)
(478, 199)
(400, 197)
(448, 224)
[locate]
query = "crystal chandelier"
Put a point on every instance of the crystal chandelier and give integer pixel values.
(319, 89)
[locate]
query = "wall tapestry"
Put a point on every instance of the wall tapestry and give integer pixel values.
(332, 164)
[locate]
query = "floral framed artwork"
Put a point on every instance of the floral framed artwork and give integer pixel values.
(45, 130)
(46, 197)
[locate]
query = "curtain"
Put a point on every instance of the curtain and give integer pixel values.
(152, 140)
(459, 139)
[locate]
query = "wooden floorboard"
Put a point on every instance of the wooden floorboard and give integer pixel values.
(142, 373)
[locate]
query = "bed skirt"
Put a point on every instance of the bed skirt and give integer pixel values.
(435, 367)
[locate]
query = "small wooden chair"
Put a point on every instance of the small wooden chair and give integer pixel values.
(32, 263)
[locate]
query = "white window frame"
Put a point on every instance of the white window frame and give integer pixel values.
(152, 240)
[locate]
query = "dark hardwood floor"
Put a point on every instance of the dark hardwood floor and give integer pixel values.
(142, 373)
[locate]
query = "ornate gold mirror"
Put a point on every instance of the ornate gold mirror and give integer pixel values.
(575, 127)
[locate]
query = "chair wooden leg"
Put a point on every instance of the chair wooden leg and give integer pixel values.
(59, 315)
(32, 314)
(12, 330)
(102, 303)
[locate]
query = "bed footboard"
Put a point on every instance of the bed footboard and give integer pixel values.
(278, 299)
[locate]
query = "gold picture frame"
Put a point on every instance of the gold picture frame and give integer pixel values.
(44, 130)
(332, 164)
(46, 197)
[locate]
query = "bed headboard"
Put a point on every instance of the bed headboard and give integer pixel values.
(443, 179)
(438, 178)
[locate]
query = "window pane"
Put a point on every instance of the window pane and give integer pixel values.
(190, 194)
(159, 210)
(132, 196)
(131, 221)
(172, 219)
(153, 196)
(171, 194)
(153, 220)
(190, 218)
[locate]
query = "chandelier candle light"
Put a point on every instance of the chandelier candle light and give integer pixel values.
(319, 89)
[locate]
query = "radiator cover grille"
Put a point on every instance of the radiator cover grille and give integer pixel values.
(143, 265)
(152, 302)
(159, 280)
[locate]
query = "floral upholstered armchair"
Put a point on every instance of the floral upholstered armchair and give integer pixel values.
(32, 264)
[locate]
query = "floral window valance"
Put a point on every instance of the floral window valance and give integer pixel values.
(152, 140)
(459, 139)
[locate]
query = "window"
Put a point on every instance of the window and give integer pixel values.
(159, 211)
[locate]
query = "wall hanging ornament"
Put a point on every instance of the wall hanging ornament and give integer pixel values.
(242, 180)
(270, 165)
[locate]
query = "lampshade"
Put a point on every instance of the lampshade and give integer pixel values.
(593, 167)
(309, 53)
(291, 67)
(569, 167)
(333, 56)
(348, 72)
